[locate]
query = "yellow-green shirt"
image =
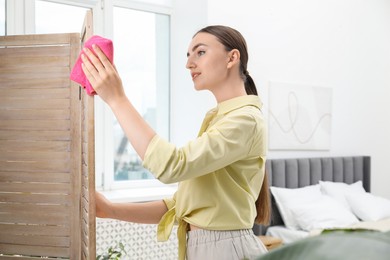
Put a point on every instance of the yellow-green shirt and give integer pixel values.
(220, 172)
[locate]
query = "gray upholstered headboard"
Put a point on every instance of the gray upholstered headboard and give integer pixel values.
(300, 172)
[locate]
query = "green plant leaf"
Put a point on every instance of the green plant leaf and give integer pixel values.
(114, 253)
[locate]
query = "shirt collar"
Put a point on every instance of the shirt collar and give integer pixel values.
(238, 102)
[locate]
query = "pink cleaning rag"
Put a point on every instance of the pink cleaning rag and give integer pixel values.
(77, 74)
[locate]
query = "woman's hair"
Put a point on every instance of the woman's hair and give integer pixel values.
(232, 39)
(263, 203)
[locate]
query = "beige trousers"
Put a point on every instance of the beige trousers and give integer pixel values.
(223, 245)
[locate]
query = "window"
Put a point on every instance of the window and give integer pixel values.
(54, 18)
(142, 59)
(141, 33)
(2, 17)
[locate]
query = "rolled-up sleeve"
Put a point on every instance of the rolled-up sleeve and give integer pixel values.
(226, 141)
(170, 202)
(157, 155)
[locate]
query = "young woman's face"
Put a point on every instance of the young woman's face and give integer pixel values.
(207, 61)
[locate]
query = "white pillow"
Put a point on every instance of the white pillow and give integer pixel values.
(338, 190)
(286, 198)
(323, 213)
(369, 207)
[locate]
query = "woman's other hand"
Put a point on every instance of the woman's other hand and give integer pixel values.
(103, 206)
(145, 213)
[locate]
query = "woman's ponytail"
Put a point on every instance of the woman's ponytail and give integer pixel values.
(250, 86)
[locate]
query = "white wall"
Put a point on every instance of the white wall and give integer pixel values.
(187, 106)
(340, 44)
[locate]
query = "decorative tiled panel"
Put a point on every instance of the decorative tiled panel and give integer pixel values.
(140, 240)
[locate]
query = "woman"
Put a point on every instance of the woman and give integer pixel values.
(221, 172)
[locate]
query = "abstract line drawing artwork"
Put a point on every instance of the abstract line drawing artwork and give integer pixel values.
(299, 117)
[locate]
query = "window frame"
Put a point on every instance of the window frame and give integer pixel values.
(3, 9)
(23, 22)
(109, 184)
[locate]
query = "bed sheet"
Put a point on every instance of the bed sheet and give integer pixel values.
(289, 235)
(286, 234)
(380, 225)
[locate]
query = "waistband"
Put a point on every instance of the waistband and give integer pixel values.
(201, 236)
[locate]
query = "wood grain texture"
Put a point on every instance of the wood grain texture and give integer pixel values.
(88, 229)
(40, 148)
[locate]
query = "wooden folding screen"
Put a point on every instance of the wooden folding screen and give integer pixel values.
(46, 151)
(88, 224)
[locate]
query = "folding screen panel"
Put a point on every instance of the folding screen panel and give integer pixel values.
(46, 151)
(88, 223)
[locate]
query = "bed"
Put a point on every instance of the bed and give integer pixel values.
(299, 180)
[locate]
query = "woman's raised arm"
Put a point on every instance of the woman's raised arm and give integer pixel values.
(107, 83)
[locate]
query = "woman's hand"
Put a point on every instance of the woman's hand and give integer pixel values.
(103, 206)
(102, 75)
